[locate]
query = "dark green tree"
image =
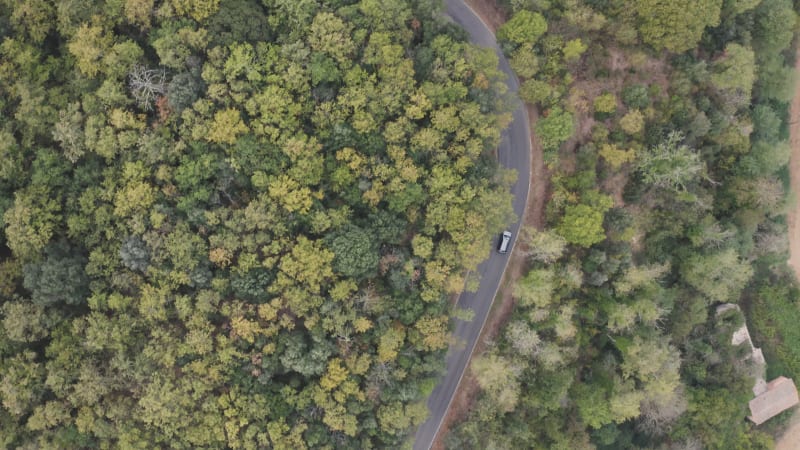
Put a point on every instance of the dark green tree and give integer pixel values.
(60, 278)
(356, 252)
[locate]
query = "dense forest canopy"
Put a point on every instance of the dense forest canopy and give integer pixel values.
(236, 223)
(664, 128)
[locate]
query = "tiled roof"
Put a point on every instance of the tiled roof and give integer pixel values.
(781, 394)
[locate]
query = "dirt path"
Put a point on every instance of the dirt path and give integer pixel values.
(540, 178)
(790, 440)
(794, 170)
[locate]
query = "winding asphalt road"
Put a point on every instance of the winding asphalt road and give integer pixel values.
(514, 152)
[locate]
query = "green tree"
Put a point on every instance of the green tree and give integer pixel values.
(308, 263)
(675, 25)
(650, 359)
(183, 90)
(719, 276)
(356, 252)
(239, 21)
(772, 30)
(636, 96)
(308, 359)
(535, 91)
(24, 321)
(739, 6)
(632, 122)
(555, 128)
(175, 44)
(33, 17)
(31, 222)
(138, 12)
(329, 34)
(22, 383)
(89, 45)
(605, 103)
(616, 157)
(524, 62)
(593, 407)
(525, 27)
(225, 128)
(775, 80)
(537, 287)
(573, 49)
(390, 342)
(198, 10)
(582, 224)
(735, 69)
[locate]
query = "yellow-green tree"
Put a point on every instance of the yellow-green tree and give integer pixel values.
(31, 221)
(226, 127)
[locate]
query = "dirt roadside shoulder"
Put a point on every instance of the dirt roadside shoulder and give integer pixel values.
(794, 171)
(790, 439)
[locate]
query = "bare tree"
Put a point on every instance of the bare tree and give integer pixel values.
(542, 246)
(523, 338)
(658, 415)
(146, 85)
(770, 238)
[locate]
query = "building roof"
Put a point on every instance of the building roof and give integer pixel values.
(780, 395)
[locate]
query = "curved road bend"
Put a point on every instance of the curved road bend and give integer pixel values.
(514, 152)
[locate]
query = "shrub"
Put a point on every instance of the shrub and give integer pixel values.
(616, 157)
(183, 90)
(636, 96)
(574, 49)
(524, 62)
(632, 122)
(605, 103)
(535, 91)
